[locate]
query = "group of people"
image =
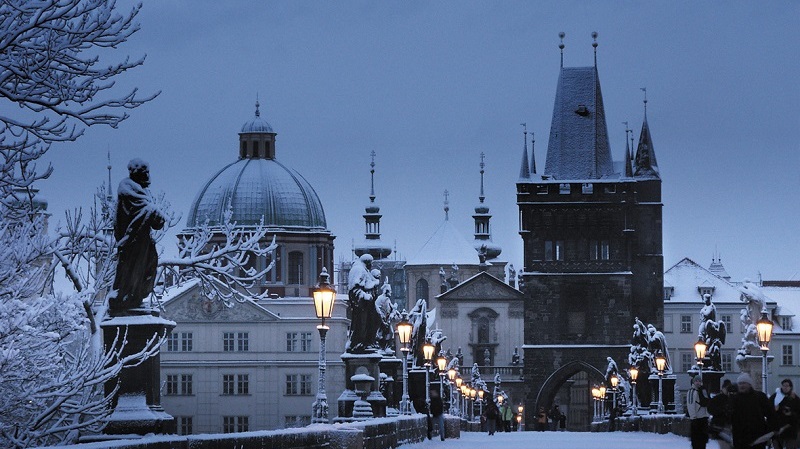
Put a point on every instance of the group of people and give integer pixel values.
(497, 418)
(742, 417)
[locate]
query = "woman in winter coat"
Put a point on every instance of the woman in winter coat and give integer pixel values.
(492, 413)
(787, 414)
(751, 414)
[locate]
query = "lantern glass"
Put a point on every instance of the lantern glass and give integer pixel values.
(700, 350)
(764, 328)
(427, 352)
(480, 394)
(472, 393)
(499, 398)
(520, 408)
(634, 372)
(441, 363)
(595, 392)
(614, 381)
(661, 362)
(324, 296)
(404, 328)
(602, 391)
(451, 374)
(459, 381)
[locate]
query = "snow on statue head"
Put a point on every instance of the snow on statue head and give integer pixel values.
(139, 171)
(362, 291)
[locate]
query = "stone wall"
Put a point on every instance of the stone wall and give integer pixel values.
(677, 424)
(381, 433)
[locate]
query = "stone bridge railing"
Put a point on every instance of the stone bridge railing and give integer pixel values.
(380, 433)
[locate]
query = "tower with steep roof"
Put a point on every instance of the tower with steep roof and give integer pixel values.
(483, 235)
(372, 244)
(592, 242)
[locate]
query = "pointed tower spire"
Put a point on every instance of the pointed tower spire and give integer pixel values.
(561, 46)
(372, 244)
(646, 165)
(594, 45)
(446, 205)
(628, 159)
(533, 153)
(524, 169)
(109, 192)
(483, 236)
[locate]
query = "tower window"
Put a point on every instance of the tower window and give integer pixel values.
(422, 289)
(563, 189)
(599, 250)
(587, 188)
(295, 267)
(554, 250)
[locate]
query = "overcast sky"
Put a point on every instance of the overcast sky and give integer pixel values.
(430, 85)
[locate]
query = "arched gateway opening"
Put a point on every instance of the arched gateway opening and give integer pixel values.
(570, 387)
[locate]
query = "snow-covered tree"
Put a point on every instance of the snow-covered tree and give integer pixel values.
(54, 68)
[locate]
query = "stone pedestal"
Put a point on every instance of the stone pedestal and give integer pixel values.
(137, 403)
(392, 378)
(668, 391)
(752, 366)
(355, 364)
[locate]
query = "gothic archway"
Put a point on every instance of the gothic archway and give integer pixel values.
(586, 374)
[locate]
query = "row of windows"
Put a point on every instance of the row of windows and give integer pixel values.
(688, 361)
(238, 341)
(236, 384)
(586, 188)
(295, 266)
(232, 424)
(688, 328)
(598, 250)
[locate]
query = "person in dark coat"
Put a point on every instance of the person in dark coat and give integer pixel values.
(751, 414)
(719, 407)
(786, 404)
(492, 413)
(437, 411)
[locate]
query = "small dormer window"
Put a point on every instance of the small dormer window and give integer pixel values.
(587, 188)
(582, 110)
(563, 189)
(669, 292)
(786, 323)
(705, 291)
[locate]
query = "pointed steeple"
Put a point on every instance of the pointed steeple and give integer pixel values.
(533, 153)
(446, 205)
(718, 269)
(524, 169)
(372, 244)
(628, 159)
(578, 148)
(483, 236)
(646, 165)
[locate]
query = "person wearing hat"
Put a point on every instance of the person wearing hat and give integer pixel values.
(786, 404)
(696, 403)
(751, 414)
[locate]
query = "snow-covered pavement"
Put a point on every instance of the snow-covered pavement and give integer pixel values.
(560, 440)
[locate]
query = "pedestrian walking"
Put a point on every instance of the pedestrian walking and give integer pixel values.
(696, 408)
(492, 414)
(437, 411)
(720, 409)
(751, 414)
(786, 405)
(555, 415)
(507, 415)
(541, 420)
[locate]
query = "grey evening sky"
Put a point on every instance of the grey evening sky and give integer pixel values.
(430, 85)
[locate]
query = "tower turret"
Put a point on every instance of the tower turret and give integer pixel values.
(483, 236)
(372, 244)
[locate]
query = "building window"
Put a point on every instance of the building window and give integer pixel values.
(171, 384)
(298, 384)
(599, 250)
(172, 342)
(295, 267)
(686, 324)
(235, 341)
(705, 291)
(422, 289)
(184, 425)
(228, 384)
(242, 384)
(186, 384)
(587, 188)
(687, 361)
(298, 341)
(787, 355)
(542, 189)
(178, 384)
(668, 292)
(296, 421)
(179, 342)
(786, 323)
(610, 188)
(238, 384)
(231, 424)
(727, 320)
(726, 361)
(563, 189)
(554, 250)
(186, 341)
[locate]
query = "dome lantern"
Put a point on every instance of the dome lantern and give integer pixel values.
(257, 139)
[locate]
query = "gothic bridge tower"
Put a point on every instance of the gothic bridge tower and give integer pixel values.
(591, 230)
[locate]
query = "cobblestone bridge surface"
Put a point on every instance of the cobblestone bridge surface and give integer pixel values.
(560, 440)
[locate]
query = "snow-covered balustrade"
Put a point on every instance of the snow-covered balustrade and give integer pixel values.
(380, 433)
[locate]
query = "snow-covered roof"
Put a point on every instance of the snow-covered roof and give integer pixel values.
(578, 146)
(446, 246)
(687, 275)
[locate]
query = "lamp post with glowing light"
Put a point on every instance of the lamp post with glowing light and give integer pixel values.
(634, 373)
(427, 354)
(324, 297)
(602, 398)
(614, 382)
(596, 397)
(520, 420)
(661, 364)
(451, 377)
(473, 394)
(764, 328)
(404, 328)
(459, 382)
(441, 364)
(700, 353)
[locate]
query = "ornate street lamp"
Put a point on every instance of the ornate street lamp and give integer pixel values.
(427, 354)
(404, 328)
(451, 376)
(634, 373)
(441, 364)
(661, 365)
(614, 382)
(602, 398)
(596, 397)
(520, 421)
(764, 328)
(700, 354)
(324, 297)
(473, 393)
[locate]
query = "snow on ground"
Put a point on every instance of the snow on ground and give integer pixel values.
(560, 440)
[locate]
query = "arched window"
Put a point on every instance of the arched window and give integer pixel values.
(295, 267)
(422, 289)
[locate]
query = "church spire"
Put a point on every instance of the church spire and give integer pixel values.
(446, 205)
(524, 168)
(533, 152)
(646, 165)
(628, 159)
(372, 244)
(483, 237)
